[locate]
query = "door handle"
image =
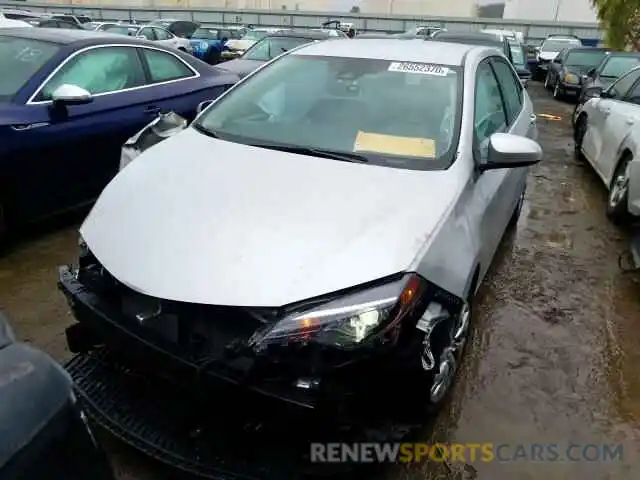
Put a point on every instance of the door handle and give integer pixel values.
(30, 126)
(152, 110)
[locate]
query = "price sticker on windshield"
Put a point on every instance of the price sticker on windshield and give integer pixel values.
(422, 68)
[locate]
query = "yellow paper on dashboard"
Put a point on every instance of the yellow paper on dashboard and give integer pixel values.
(395, 145)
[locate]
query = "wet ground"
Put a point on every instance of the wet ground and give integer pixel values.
(555, 352)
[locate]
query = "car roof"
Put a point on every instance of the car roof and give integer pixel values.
(63, 36)
(469, 36)
(589, 49)
(410, 50)
(311, 34)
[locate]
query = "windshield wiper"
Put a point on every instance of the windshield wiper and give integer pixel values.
(315, 152)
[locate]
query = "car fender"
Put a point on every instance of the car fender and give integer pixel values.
(631, 143)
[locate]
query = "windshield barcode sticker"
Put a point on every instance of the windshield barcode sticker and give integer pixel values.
(423, 68)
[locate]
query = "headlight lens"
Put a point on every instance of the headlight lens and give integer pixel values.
(350, 320)
(571, 78)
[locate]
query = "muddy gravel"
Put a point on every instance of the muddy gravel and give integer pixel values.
(555, 351)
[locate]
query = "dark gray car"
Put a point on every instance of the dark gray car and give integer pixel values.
(270, 47)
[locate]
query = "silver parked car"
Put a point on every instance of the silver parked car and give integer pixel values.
(322, 227)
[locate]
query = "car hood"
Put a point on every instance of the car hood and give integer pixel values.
(200, 220)
(239, 44)
(241, 67)
(548, 55)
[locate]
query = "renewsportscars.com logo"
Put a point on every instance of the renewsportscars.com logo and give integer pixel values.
(463, 452)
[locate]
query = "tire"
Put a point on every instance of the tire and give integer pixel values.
(439, 368)
(547, 82)
(579, 132)
(558, 94)
(618, 198)
(212, 55)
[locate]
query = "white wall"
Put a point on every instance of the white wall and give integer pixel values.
(568, 10)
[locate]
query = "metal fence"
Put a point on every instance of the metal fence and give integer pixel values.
(532, 31)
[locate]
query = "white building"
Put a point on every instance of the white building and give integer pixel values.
(435, 8)
(550, 10)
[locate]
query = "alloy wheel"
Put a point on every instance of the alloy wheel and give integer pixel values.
(619, 187)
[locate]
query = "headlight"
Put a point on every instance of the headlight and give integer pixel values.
(350, 320)
(571, 78)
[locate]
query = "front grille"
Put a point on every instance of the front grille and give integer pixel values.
(202, 333)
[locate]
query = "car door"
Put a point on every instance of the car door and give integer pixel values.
(165, 38)
(598, 141)
(176, 84)
(490, 116)
(79, 146)
(624, 116)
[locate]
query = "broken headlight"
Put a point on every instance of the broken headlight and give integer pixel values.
(350, 320)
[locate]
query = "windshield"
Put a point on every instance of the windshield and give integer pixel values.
(517, 53)
(271, 47)
(205, 34)
(396, 114)
(617, 66)
(585, 58)
(121, 30)
(557, 45)
(20, 59)
(254, 35)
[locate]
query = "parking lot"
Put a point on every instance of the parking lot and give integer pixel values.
(555, 352)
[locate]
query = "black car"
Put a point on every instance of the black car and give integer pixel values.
(45, 434)
(271, 46)
(566, 71)
(610, 68)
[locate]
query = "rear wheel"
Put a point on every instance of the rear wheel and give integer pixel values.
(617, 203)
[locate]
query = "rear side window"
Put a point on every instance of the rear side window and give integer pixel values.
(165, 67)
(623, 85)
(511, 88)
(162, 34)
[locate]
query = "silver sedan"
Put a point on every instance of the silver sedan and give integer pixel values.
(335, 212)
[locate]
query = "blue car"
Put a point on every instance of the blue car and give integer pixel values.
(69, 99)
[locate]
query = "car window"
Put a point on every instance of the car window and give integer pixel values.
(165, 67)
(205, 34)
(585, 58)
(557, 45)
(20, 59)
(620, 88)
(489, 115)
(617, 66)
(511, 88)
(99, 70)
(271, 47)
(403, 115)
(148, 33)
(162, 34)
(634, 94)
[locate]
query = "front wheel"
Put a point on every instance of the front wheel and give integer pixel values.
(557, 90)
(547, 82)
(618, 200)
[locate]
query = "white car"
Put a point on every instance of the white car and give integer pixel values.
(152, 33)
(549, 50)
(9, 23)
(321, 228)
(607, 134)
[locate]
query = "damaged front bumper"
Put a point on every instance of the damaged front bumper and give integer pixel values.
(334, 385)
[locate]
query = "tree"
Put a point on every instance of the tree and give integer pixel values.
(355, 9)
(620, 20)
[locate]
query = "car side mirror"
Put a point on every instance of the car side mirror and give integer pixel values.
(594, 91)
(511, 151)
(68, 94)
(202, 106)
